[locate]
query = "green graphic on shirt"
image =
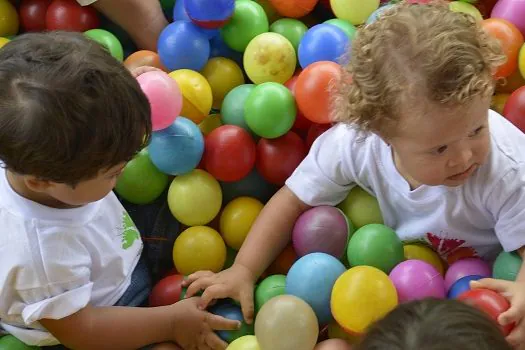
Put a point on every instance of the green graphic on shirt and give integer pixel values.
(129, 232)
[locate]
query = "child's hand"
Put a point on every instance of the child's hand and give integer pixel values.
(143, 69)
(236, 283)
(193, 328)
(515, 293)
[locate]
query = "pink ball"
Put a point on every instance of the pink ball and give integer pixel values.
(164, 97)
(466, 267)
(333, 344)
(511, 10)
(417, 279)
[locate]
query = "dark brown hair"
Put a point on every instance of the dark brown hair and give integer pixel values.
(433, 324)
(68, 109)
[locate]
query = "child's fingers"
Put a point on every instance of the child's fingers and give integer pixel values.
(216, 291)
(195, 276)
(220, 323)
(246, 300)
(513, 314)
(517, 336)
(215, 343)
(143, 69)
(492, 284)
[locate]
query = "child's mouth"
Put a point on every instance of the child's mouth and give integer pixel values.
(464, 175)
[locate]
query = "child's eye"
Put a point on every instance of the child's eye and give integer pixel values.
(440, 150)
(476, 132)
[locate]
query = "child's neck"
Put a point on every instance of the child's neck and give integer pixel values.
(18, 185)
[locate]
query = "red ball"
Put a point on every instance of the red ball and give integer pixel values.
(167, 291)
(32, 15)
(489, 301)
(69, 15)
(514, 109)
(301, 123)
(278, 158)
(314, 132)
(229, 153)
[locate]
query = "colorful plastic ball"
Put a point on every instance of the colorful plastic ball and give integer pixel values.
(361, 208)
(195, 198)
(270, 110)
(284, 261)
(223, 75)
(248, 342)
(314, 131)
(70, 16)
(271, 12)
(108, 40)
(489, 301)
(354, 11)
(270, 287)
(233, 312)
(375, 245)
(220, 49)
(232, 110)
(424, 253)
(167, 291)
(367, 292)
(335, 331)
(498, 102)
(466, 267)
(291, 29)
(237, 219)
(286, 322)
(312, 90)
(301, 123)
(347, 27)
(143, 58)
(141, 182)
(323, 42)
(333, 344)
(377, 13)
(415, 280)
(33, 15)
(177, 149)
(462, 285)
(269, 57)
(179, 13)
(210, 123)
(515, 107)
(461, 6)
(312, 278)
(210, 14)
(9, 342)
(511, 83)
(294, 8)
(252, 185)
(512, 11)
(278, 158)
(248, 21)
(321, 229)
(197, 96)
(230, 153)
(3, 41)
(182, 45)
(507, 266)
(164, 97)
(199, 248)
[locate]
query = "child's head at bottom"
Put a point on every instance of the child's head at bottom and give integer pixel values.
(71, 116)
(433, 324)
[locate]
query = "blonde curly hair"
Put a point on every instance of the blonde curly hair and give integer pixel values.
(414, 54)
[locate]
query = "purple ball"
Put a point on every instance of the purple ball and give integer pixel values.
(466, 267)
(511, 10)
(321, 229)
(417, 279)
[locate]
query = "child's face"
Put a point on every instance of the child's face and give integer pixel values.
(443, 145)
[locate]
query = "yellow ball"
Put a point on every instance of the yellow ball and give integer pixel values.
(248, 342)
(361, 296)
(269, 57)
(237, 219)
(199, 248)
(8, 19)
(361, 208)
(195, 198)
(223, 75)
(424, 253)
(521, 61)
(197, 96)
(210, 123)
(354, 11)
(336, 332)
(465, 7)
(3, 41)
(498, 102)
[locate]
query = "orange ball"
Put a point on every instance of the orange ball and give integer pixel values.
(284, 262)
(144, 58)
(294, 8)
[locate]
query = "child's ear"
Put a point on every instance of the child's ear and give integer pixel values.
(37, 185)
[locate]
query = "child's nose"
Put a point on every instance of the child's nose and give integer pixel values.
(462, 158)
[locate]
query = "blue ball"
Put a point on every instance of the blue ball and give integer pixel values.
(182, 45)
(210, 13)
(312, 278)
(377, 13)
(180, 14)
(177, 149)
(323, 42)
(228, 309)
(461, 285)
(220, 49)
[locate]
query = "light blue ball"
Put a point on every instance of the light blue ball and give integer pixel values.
(377, 13)
(177, 149)
(312, 278)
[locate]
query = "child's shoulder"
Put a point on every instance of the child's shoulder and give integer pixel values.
(507, 142)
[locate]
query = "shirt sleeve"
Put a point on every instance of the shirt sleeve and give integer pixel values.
(507, 204)
(86, 2)
(324, 176)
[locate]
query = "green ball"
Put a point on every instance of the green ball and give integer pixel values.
(291, 29)
(270, 287)
(507, 266)
(141, 182)
(346, 26)
(9, 342)
(108, 40)
(270, 110)
(232, 110)
(248, 21)
(361, 208)
(375, 245)
(167, 4)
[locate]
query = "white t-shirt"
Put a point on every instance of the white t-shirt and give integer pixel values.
(53, 262)
(86, 2)
(472, 220)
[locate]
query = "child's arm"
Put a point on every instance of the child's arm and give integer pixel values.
(135, 327)
(143, 20)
